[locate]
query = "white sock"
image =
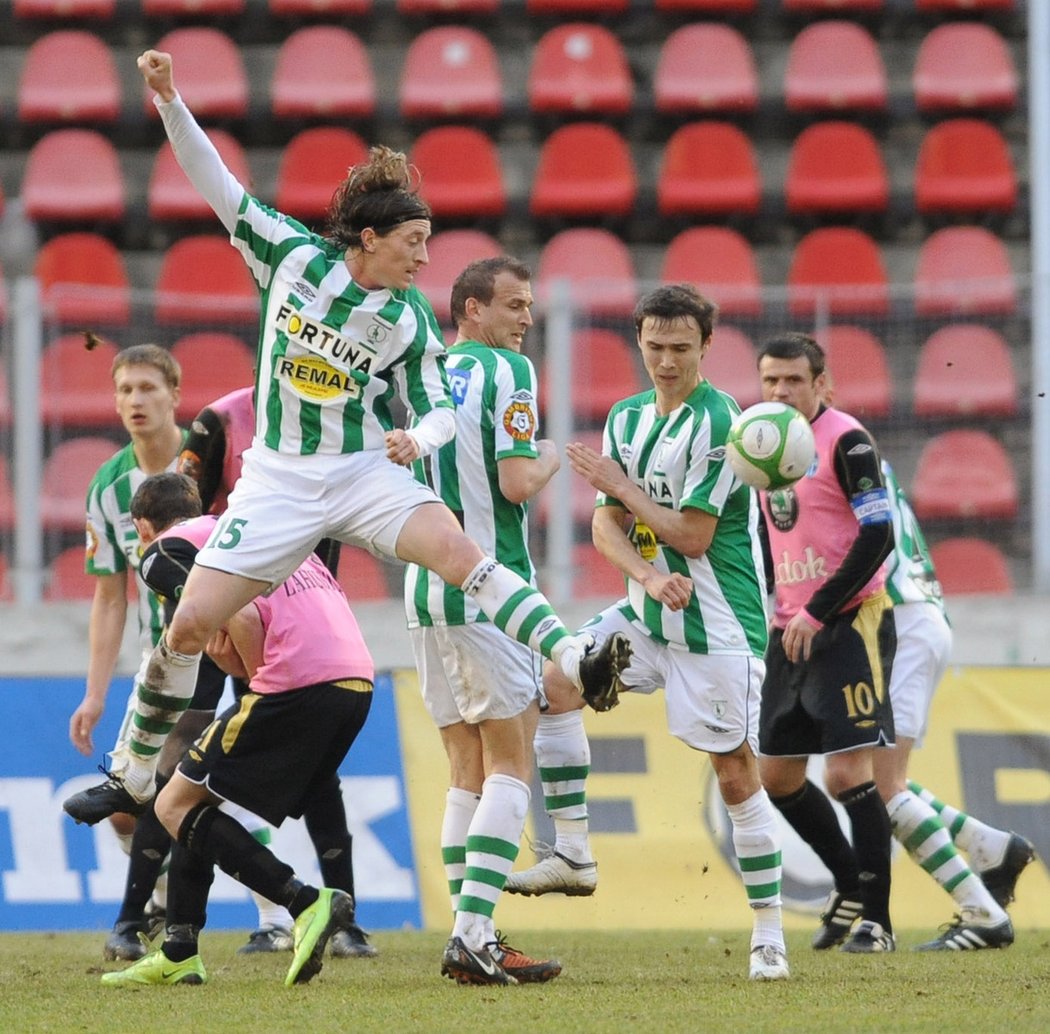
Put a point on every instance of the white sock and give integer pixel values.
(563, 757)
(757, 844)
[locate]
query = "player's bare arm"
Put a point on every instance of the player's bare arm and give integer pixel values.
(155, 66)
(521, 477)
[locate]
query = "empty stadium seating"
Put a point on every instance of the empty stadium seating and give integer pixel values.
(730, 365)
(964, 474)
(202, 279)
(604, 372)
(835, 66)
(460, 170)
(594, 576)
(597, 266)
(171, 197)
(323, 71)
(450, 251)
(69, 76)
(721, 263)
(969, 566)
(363, 577)
(961, 66)
(580, 68)
(705, 68)
(964, 271)
(965, 370)
(965, 167)
(313, 163)
(319, 8)
(74, 176)
(861, 375)
(213, 364)
(840, 269)
(88, 10)
(451, 72)
(83, 280)
(709, 168)
(77, 388)
(836, 167)
(68, 471)
(211, 74)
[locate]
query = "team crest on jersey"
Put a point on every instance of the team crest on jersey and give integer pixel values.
(91, 545)
(311, 378)
(378, 330)
(458, 384)
(519, 421)
(783, 508)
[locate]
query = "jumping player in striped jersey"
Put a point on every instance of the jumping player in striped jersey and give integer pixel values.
(481, 688)
(342, 330)
(684, 532)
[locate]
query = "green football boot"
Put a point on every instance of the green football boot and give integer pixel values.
(157, 968)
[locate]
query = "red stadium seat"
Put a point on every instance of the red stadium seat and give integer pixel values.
(212, 365)
(965, 369)
(192, 8)
(323, 71)
(83, 280)
(705, 68)
(964, 270)
(708, 6)
(212, 79)
(839, 268)
(585, 169)
(77, 388)
(86, 10)
(7, 494)
(962, 66)
(597, 266)
(450, 252)
(581, 495)
(857, 360)
(730, 365)
(203, 279)
(835, 66)
(708, 168)
(73, 175)
(562, 8)
(965, 166)
(971, 566)
(5, 399)
(721, 263)
(964, 474)
(967, 7)
(836, 167)
(594, 575)
(463, 7)
(64, 483)
(312, 165)
(171, 196)
(362, 576)
(451, 72)
(66, 578)
(582, 68)
(460, 172)
(68, 76)
(319, 8)
(839, 7)
(604, 371)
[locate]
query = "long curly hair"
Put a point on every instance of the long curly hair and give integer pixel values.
(382, 193)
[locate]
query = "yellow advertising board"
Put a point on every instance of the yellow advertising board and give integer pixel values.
(662, 839)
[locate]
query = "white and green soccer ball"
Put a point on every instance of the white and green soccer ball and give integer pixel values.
(770, 445)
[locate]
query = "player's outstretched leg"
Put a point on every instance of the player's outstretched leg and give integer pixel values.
(104, 799)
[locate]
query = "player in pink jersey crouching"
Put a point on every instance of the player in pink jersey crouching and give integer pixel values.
(831, 650)
(268, 753)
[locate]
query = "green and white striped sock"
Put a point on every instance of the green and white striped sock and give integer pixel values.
(460, 806)
(563, 756)
(757, 845)
(985, 844)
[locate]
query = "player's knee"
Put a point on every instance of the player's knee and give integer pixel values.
(562, 696)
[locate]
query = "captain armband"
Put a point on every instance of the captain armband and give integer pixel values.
(872, 507)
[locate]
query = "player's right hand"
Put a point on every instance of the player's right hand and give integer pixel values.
(155, 66)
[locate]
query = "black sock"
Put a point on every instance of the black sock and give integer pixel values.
(190, 877)
(221, 840)
(150, 844)
(325, 819)
(180, 942)
(871, 844)
(811, 816)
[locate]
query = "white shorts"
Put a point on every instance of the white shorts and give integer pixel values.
(472, 673)
(712, 700)
(281, 507)
(924, 645)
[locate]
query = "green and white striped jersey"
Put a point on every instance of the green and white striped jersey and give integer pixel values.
(494, 391)
(679, 461)
(113, 542)
(331, 354)
(910, 577)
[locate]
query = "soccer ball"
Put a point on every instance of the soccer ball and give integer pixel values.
(770, 445)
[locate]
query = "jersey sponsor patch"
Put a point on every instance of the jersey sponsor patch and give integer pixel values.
(872, 507)
(644, 541)
(91, 545)
(311, 378)
(519, 421)
(323, 341)
(458, 383)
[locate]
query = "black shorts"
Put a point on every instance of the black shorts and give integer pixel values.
(839, 699)
(270, 751)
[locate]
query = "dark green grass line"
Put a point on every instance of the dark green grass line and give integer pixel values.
(617, 981)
